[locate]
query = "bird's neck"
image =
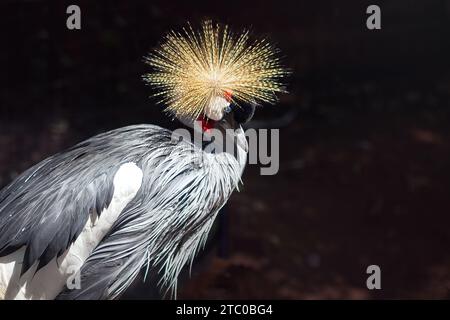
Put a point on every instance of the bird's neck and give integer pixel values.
(219, 140)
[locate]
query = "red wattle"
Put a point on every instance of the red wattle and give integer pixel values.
(207, 124)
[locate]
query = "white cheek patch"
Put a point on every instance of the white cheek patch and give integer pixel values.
(216, 108)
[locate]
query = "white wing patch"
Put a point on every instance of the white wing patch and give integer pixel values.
(50, 280)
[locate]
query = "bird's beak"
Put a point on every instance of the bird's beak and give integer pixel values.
(233, 130)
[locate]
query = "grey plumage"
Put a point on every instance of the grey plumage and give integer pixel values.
(164, 225)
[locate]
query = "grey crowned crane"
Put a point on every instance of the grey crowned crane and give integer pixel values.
(136, 197)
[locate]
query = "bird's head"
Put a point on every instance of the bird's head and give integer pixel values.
(223, 112)
(213, 75)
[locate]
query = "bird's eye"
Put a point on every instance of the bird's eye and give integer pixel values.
(228, 109)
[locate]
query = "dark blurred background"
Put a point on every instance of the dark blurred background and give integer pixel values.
(365, 161)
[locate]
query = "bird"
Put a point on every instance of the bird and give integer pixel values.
(83, 223)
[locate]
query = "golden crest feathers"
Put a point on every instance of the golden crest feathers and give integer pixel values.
(190, 68)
